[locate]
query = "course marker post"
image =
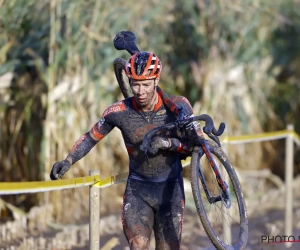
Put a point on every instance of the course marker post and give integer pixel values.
(226, 217)
(289, 173)
(94, 211)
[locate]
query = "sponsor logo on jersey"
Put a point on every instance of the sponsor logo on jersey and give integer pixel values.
(161, 112)
(116, 107)
(100, 123)
(140, 132)
(95, 131)
(78, 142)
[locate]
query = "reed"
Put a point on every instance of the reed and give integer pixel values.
(223, 56)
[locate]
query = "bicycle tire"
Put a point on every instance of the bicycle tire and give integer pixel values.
(119, 68)
(211, 227)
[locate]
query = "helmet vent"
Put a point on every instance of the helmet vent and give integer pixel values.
(143, 65)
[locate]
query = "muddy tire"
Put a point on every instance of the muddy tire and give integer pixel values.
(212, 214)
(119, 69)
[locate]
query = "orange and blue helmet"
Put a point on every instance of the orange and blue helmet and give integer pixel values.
(143, 66)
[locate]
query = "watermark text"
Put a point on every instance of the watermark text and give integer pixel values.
(279, 239)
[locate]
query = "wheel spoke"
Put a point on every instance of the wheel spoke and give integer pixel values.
(226, 227)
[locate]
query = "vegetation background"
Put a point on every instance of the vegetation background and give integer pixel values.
(237, 60)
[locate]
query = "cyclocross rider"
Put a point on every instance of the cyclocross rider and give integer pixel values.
(154, 196)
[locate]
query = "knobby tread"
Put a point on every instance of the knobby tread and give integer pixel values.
(119, 66)
(243, 234)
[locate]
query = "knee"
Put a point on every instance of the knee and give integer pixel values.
(139, 243)
(167, 246)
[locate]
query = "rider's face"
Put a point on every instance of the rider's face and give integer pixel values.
(144, 92)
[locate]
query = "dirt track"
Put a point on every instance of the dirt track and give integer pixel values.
(265, 219)
(269, 222)
(194, 238)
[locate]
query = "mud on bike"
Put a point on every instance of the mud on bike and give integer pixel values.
(215, 186)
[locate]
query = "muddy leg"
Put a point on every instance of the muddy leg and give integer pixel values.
(139, 243)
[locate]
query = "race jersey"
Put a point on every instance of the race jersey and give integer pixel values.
(133, 123)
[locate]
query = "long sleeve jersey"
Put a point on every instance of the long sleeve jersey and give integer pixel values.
(134, 124)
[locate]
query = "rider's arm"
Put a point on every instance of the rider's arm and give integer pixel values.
(87, 141)
(97, 133)
(82, 146)
(171, 144)
(179, 147)
(176, 145)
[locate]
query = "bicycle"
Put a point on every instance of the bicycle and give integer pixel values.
(215, 186)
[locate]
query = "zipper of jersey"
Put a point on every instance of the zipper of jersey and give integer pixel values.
(149, 118)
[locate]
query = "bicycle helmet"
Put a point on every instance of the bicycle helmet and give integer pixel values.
(143, 66)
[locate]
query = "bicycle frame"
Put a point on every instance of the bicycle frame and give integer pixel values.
(197, 140)
(200, 140)
(224, 196)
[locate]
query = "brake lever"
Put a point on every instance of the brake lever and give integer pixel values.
(215, 139)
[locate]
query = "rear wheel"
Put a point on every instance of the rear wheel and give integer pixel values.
(227, 227)
(119, 68)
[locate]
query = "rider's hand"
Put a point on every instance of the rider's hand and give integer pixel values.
(157, 143)
(59, 169)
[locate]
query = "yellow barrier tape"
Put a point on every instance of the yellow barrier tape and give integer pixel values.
(296, 137)
(260, 137)
(186, 162)
(43, 186)
(109, 181)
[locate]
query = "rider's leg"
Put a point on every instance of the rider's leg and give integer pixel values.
(168, 220)
(137, 217)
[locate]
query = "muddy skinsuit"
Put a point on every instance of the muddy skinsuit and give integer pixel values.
(154, 196)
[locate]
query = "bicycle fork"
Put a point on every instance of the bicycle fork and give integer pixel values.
(224, 196)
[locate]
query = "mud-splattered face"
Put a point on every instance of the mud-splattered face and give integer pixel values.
(144, 92)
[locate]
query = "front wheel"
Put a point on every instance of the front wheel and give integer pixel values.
(227, 227)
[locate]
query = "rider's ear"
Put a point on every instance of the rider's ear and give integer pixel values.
(156, 81)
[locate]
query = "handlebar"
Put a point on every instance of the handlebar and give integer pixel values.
(208, 129)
